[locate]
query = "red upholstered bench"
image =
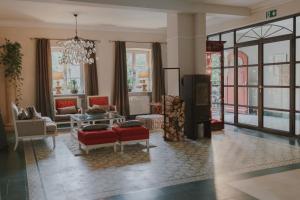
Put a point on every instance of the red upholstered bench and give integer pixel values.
(94, 139)
(136, 134)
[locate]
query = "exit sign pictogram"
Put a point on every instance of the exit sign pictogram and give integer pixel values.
(271, 13)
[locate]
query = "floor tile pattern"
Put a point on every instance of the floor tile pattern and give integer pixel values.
(103, 173)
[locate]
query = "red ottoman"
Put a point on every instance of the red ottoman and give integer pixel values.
(95, 139)
(136, 134)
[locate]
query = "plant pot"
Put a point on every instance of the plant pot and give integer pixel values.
(74, 91)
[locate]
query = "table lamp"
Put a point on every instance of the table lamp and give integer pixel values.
(58, 76)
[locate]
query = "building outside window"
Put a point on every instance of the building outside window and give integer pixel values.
(66, 78)
(139, 73)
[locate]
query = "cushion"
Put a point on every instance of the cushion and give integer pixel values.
(131, 123)
(61, 103)
(62, 118)
(23, 115)
(98, 101)
(97, 137)
(95, 110)
(94, 127)
(67, 110)
(32, 113)
(50, 126)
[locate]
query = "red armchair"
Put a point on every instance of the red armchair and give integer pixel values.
(100, 101)
(64, 108)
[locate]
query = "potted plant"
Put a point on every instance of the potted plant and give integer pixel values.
(11, 59)
(74, 86)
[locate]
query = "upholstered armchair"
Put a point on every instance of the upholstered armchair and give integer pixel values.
(102, 101)
(64, 107)
(32, 128)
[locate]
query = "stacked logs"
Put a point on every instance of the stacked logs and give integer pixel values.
(174, 118)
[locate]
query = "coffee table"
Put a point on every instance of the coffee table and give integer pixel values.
(80, 119)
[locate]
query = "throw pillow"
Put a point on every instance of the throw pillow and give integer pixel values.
(95, 110)
(94, 127)
(23, 115)
(103, 107)
(131, 123)
(67, 110)
(32, 113)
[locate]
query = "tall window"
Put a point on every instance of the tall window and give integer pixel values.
(139, 70)
(67, 78)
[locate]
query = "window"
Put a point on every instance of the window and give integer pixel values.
(66, 78)
(139, 74)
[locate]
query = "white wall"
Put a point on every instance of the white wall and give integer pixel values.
(105, 53)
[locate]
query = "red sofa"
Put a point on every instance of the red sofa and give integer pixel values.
(132, 134)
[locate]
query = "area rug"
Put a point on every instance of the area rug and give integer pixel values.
(102, 174)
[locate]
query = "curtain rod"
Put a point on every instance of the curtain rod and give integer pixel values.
(138, 42)
(60, 39)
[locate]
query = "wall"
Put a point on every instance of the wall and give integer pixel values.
(257, 15)
(105, 54)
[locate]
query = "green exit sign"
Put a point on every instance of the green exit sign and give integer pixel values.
(271, 13)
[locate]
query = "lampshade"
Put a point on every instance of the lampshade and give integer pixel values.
(57, 75)
(144, 74)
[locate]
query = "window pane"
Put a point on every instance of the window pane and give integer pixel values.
(277, 52)
(248, 76)
(297, 99)
(278, 75)
(297, 123)
(215, 76)
(228, 95)
(298, 49)
(214, 38)
(228, 58)
(298, 26)
(277, 98)
(248, 55)
(297, 74)
(248, 116)
(129, 59)
(228, 76)
(245, 35)
(228, 37)
(229, 114)
(140, 59)
(247, 96)
(276, 120)
(216, 111)
(216, 94)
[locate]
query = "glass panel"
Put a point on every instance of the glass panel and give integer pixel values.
(277, 98)
(297, 74)
(213, 60)
(215, 76)
(228, 58)
(248, 76)
(228, 95)
(297, 123)
(286, 27)
(297, 99)
(140, 59)
(298, 26)
(248, 115)
(216, 111)
(278, 75)
(277, 52)
(213, 38)
(298, 49)
(229, 114)
(245, 35)
(278, 120)
(228, 37)
(247, 96)
(228, 76)
(248, 55)
(216, 94)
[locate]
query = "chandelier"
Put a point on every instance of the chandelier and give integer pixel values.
(77, 50)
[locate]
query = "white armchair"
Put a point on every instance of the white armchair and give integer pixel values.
(32, 129)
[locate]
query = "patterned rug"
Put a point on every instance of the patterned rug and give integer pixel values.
(104, 173)
(72, 143)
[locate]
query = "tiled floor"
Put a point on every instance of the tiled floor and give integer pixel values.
(186, 170)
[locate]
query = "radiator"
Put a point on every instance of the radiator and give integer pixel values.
(139, 105)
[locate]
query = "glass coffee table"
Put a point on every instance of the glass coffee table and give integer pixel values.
(81, 119)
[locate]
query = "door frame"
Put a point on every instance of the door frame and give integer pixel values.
(260, 43)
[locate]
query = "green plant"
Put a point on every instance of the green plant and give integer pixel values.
(11, 59)
(74, 86)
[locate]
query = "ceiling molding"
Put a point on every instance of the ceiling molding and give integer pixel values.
(108, 28)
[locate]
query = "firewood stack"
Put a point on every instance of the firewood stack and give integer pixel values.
(174, 118)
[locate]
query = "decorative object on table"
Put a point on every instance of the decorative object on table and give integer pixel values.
(173, 110)
(73, 87)
(152, 122)
(11, 59)
(77, 50)
(3, 139)
(58, 76)
(196, 94)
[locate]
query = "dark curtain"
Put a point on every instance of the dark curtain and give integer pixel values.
(157, 73)
(91, 77)
(120, 97)
(43, 78)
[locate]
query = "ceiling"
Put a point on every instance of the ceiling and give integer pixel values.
(50, 12)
